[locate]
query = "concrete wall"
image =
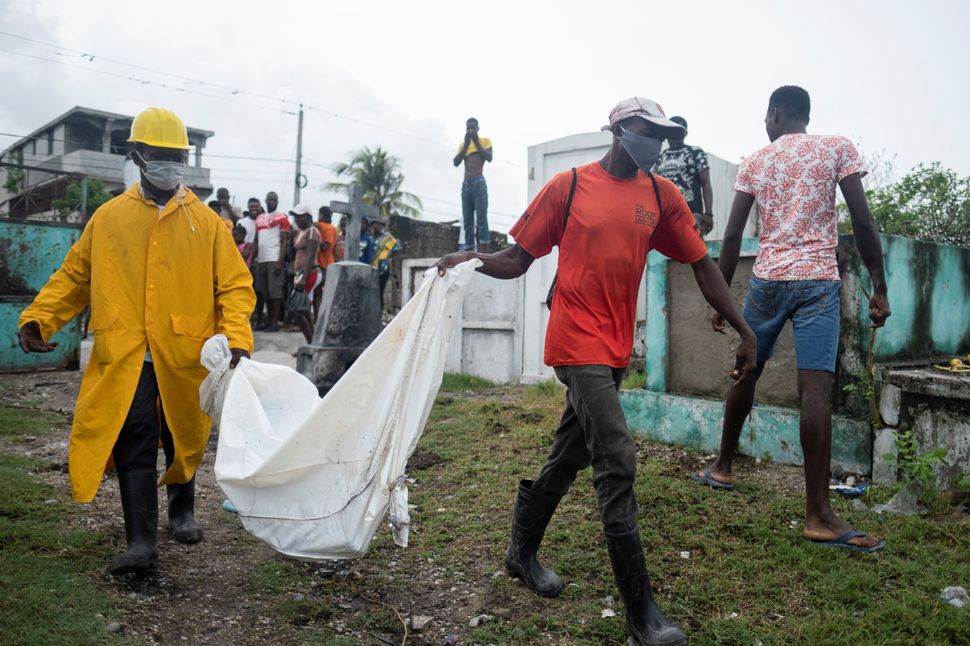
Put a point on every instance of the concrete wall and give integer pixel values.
(929, 291)
(935, 407)
(698, 357)
(487, 341)
(419, 240)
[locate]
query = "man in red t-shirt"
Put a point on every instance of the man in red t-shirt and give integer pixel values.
(618, 213)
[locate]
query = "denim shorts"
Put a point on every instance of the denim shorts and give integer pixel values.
(813, 308)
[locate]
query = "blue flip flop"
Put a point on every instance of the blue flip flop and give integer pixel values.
(710, 480)
(842, 542)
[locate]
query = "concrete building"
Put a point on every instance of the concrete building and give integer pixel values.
(81, 142)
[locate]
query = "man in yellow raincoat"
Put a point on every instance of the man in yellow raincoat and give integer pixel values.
(161, 273)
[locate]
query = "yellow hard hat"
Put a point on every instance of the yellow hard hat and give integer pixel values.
(161, 128)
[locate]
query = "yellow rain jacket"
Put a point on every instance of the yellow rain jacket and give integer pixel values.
(164, 279)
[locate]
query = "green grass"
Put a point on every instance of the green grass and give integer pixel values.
(16, 423)
(634, 379)
(455, 382)
(47, 567)
(744, 556)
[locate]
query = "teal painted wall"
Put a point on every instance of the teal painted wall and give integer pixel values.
(29, 253)
(929, 292)
(770, 432)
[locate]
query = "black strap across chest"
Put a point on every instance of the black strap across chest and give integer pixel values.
(565, 221)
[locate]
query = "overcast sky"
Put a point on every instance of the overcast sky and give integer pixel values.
(891, 75)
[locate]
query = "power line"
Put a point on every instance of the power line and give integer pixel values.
(91, 58)
(234, 91)
(145, 81)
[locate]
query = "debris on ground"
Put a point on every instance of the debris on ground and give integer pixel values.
(904, 503)
(478, 620)
(418, 622)
(956, 596)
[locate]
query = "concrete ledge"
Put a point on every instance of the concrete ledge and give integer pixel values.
(770, 432)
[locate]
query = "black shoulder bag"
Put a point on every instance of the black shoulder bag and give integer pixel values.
(565, 220)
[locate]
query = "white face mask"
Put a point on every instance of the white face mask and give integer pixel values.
(131, 173)
(163, 175)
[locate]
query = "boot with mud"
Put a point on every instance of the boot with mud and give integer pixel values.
(181, 513)
(647, 624)
(532, 514)
(139, 503)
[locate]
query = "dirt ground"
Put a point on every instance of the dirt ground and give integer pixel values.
(205, 593)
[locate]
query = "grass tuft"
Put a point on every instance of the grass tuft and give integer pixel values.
(456, 382)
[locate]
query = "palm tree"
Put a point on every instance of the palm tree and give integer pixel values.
(380, 175)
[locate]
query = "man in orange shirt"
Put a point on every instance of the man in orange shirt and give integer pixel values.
(617, 214)
(328, 238)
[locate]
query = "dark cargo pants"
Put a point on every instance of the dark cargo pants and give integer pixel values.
(136, 448)
(593, 432)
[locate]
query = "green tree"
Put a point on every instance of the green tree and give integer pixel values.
(929, 203)
(380, 176)
(15, 176)
(71, 200)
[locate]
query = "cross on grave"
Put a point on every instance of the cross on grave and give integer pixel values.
(355, 209)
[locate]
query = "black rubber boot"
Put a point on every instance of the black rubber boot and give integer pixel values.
(139, 503)
(181, 513)
(532, 514)
(647, 624)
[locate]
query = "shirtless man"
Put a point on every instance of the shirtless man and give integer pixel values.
(474, 192)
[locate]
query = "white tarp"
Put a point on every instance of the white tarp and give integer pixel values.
(314, 477)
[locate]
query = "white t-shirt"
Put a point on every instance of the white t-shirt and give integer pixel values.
(249, 224)
(270, 225)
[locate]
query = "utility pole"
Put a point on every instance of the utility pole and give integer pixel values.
(299, 158)
(84, 200)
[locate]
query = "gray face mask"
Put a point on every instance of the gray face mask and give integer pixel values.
(644, 151)
(163, 175)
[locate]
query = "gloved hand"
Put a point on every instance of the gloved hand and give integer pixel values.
(237, 354)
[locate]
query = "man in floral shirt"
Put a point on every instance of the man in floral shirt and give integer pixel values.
(796, 278)
(687, 167)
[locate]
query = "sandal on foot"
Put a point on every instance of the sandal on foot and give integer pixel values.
(710, 480)
(842, 542)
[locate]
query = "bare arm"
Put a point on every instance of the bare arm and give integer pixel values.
(284, 244)
(731, 244)
(486, 153)
(868, 244)
(312, 248)
(505, 264)
(707, 191)
(716, 293)
(461, 153)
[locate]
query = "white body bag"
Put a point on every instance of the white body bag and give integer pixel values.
(314, 477)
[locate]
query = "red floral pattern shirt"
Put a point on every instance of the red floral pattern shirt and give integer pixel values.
(794, 179)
